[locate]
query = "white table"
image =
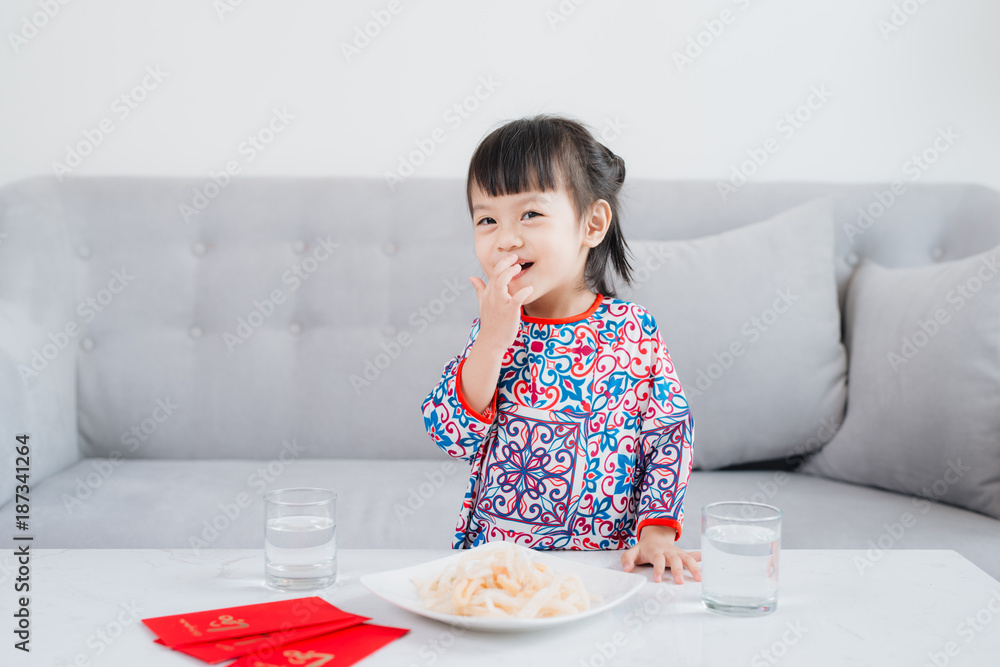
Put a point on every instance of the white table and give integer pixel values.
(905, 607)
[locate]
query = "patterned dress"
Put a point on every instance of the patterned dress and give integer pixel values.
(587, 440)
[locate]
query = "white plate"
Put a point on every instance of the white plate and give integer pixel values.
(395, 586)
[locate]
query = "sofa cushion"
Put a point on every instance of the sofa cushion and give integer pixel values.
(414, 503)
(923, 411)
(752, 322)
(103, 503)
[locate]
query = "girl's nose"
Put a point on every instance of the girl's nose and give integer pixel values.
(509, 238)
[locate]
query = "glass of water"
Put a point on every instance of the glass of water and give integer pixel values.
(739, 557)
(300, 538)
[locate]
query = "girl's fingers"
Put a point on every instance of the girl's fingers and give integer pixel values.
(677, 568)
(504, 263)
(523, 294)
(659, 565)
(628, 559)
(505, 276)
(692, 564)
(477, 284)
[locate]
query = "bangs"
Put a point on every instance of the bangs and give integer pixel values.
(520, 157)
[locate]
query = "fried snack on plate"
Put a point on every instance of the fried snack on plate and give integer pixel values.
(503, 583)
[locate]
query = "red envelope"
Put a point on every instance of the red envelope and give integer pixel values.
(230, 649)
(253, 619)
(339, 649)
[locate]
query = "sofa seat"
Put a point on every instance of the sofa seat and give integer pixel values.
(142, 503)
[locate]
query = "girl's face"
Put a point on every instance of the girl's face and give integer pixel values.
(550, 241)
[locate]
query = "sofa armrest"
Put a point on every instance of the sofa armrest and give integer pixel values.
(43, 406)
(37, 361)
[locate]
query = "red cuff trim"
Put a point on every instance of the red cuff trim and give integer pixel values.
(675, 524)
(491, 410)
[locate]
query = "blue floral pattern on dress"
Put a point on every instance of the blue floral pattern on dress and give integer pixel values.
(591, 439)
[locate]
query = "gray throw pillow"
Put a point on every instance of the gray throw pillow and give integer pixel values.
(923, 411)
(752, 323)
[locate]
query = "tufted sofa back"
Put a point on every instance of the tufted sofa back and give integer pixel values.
(174, 318)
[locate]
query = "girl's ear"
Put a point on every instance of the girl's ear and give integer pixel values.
(597, 224)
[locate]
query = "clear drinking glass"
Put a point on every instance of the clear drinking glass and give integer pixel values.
(300, 538)
(740, 542)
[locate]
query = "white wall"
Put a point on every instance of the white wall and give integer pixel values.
(610, 64)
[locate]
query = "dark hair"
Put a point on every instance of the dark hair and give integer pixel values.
(544, 151)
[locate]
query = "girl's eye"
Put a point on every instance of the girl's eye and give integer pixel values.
(489, 221)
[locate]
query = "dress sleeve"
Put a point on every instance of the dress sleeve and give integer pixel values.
(450, 422)
(666, 437)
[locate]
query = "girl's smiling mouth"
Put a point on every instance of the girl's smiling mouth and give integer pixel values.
(524, 268)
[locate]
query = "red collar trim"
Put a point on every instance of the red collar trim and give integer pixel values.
(563, 320)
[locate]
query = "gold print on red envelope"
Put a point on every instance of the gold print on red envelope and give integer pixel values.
(337, 649)
(190, 628)
(302, 632)
(298, 658)
(257, 644)
(233, 645)
(226, 622)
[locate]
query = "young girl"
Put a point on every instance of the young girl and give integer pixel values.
(565, 400)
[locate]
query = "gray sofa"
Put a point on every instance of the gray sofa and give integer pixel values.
(175, 347)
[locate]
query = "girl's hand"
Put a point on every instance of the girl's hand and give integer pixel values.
(499, 312)
(656, 546)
